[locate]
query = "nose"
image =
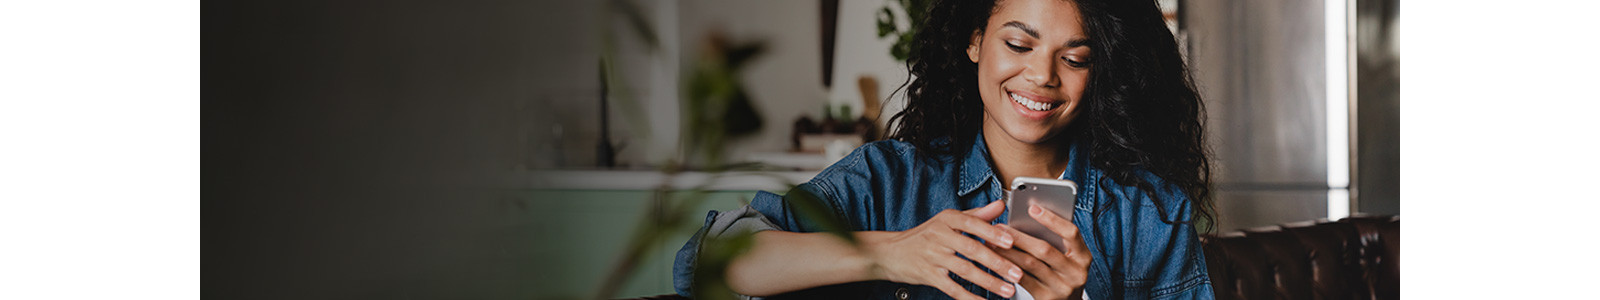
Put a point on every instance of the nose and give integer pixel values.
(1041, 71)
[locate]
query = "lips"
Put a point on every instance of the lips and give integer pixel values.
(1034, 107)
(1032, 104)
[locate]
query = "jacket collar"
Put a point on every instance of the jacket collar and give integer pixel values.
(977, 168)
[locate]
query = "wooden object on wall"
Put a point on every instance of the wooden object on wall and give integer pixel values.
(869, 97)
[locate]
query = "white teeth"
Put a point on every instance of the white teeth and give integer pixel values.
(1030, 104)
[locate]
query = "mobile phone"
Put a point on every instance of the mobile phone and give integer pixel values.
(1054, 195)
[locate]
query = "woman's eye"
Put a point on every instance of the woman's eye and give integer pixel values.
(1018, 49)
(1074, 63)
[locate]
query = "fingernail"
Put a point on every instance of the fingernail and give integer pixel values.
(1016, 274)
(1005, 240)
(1006, 290)
(1035, 211)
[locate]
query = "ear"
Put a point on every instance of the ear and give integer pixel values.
(974, 45)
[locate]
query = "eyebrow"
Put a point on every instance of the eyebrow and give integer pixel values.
(1035, 33)
(1024, 27)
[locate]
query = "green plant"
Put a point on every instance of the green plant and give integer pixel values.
(913, 10)
(717, 108)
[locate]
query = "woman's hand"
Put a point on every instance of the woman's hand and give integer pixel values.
(926, 255)
(1051, 274)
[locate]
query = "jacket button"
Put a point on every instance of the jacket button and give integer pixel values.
(902, 294)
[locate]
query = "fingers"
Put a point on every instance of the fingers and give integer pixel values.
(1061, 274)
(965, 222)
(1064, 228)
(1038, 248)
(981, 254)
(1041, 290)
(988, 212)
(943, 282)
(975, 222)
(1038, 271)
(976, 251)
(1044, 281)
(1054, 222)
(977, 276)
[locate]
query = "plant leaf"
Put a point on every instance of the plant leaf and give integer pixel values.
(885, 22)
(816, 214)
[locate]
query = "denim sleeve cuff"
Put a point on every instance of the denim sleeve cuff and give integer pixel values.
(739, 221)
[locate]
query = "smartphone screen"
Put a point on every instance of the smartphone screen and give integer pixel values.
(1054, 195)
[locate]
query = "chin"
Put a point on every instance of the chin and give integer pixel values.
(1030, 134)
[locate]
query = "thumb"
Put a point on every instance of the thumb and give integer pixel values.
(988, 212)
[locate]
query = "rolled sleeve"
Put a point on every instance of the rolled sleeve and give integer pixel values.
(744, 220)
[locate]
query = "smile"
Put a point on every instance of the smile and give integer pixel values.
(1031, 104)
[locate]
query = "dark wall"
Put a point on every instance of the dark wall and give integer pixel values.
(1377, 182)
(351, 148)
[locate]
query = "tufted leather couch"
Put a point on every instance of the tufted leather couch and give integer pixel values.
(1354, 258)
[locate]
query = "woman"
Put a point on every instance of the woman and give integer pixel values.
(1092, 91)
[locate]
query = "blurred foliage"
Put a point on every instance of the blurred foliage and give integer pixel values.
(913, 10)
(711, 276)
(817, 213)
(717, 109)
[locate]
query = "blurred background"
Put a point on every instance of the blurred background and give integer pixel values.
(522, 149)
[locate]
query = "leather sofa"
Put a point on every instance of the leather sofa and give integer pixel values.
(1353, 258)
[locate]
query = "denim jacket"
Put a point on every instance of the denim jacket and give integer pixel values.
(886, 186)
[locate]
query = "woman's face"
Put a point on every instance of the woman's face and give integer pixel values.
(1032, 61)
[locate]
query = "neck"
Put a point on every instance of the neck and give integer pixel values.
(1013, 158)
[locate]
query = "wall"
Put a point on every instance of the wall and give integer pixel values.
(1260, 68)
(559, 117)
(359, 149)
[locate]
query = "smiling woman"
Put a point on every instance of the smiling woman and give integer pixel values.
(1089, 91)
(1139, 104)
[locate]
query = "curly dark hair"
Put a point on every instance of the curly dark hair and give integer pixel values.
(1141, 110)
